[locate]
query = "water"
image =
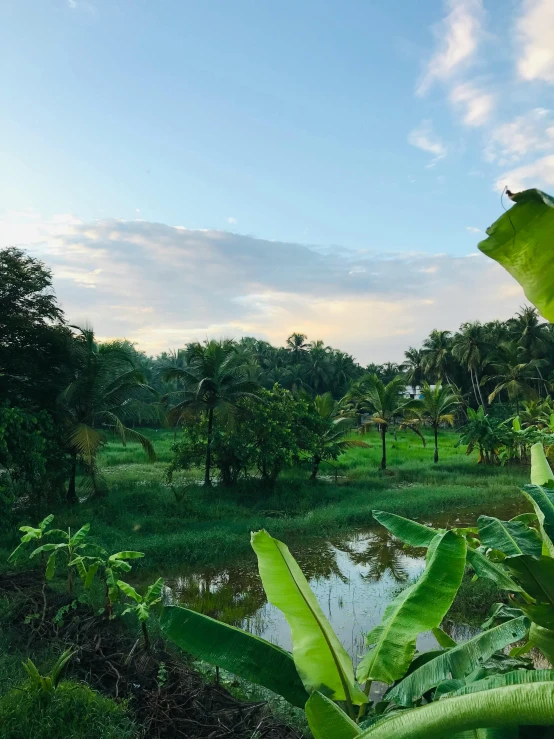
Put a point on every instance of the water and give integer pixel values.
(353, 576)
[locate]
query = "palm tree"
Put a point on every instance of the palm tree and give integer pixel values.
(413, 367)
(514, 375)
(331, 441)
(216, 378)
(530, 333)
(468, 348)
(436, 350)
(318, 367)
(386, 402)
(434, 408)
(297, 345)
(106, 389)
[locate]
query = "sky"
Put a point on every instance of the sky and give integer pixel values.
(236, 167)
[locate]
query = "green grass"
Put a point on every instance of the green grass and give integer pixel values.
(213, 526)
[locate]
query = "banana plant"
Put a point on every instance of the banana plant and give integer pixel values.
(142, 603)
(113, 566)
(71, 547)
(31, 534)
(47, 684)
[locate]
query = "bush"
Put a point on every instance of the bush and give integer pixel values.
(73, 711)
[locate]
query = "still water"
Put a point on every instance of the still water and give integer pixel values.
(353, 576)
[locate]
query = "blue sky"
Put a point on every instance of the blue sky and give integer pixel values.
(379, 129)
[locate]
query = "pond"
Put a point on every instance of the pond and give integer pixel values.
(353, 575)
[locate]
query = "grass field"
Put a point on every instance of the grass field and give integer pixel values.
(212, 526)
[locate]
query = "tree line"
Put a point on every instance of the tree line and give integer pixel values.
(244, 405)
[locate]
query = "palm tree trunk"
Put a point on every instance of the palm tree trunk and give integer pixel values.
(71, 494)
(436, 430)
(207, 481)
(473, 384)
(384, 446)
(315, 467)
(478, 384)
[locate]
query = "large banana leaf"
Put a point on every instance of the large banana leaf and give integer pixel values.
(510, 537)
(420, 607)
(536, 576)
(321, 660)
(484, 567)
(542, 500)
(540, 469)
(543, 639)
(517, 677)
(458, 661)
(522, 241)
(513, 705)
(410, 532)
(237, 651)
(327, 721)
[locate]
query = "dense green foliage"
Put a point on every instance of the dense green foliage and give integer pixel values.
(73, 710)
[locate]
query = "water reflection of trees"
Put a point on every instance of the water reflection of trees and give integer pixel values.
(382, 554)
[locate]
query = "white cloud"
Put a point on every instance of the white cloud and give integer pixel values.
(162, 286)
(539, 173)
(535, 41)
(529, 133)
(423, 138)
(473, 229)
(458, 36)
(231, 220)
(476, 104)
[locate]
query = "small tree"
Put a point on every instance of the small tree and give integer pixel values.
(433, 408)
(143, 603)
(330, 441)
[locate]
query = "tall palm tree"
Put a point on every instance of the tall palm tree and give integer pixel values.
(318, 366)
(413, 367)
(386, 402)
(530, 333)
(468, 348)
(297, 345)
(437, 353)
(514, 375)
(331, 440)
(435, 408)
(216, 378)
(106, 390)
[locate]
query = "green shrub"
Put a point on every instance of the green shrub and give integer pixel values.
(73, 711)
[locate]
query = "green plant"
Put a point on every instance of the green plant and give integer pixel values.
(435, 407)
(74, 548)
(47, 684)
(31, 534)
(72, 710)
(143, 603)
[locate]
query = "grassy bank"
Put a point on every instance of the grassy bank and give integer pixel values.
(213, 526)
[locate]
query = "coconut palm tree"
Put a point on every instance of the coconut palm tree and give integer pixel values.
(386, 403)
(514, 375)
(413, 367)
(435, 408)
(106, 391)
(530, 333)
(331, 438)
(216, 378)
(437, 354)
(297, 345)
(468, 347)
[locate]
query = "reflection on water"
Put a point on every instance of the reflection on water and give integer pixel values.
(353, 577)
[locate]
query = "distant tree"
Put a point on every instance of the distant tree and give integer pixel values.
(437, 355)
(435, 407)
(104, 392)
(514, 375)
(215, 379)
(413, 367)
(469, 348)
(386, 403)
(35, 344)
(297, 345)
(331, 432)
